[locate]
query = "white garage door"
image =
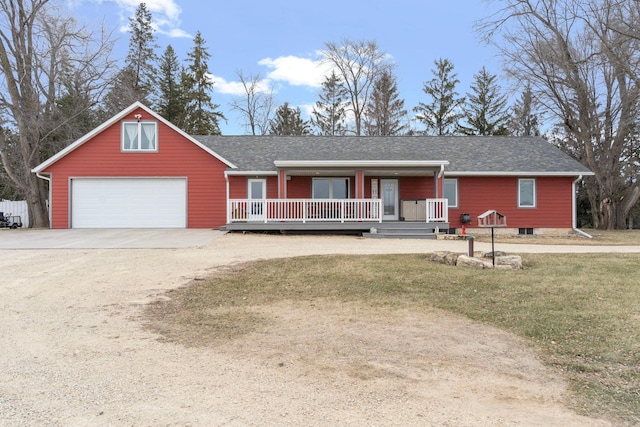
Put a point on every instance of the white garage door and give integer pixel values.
(128, 203)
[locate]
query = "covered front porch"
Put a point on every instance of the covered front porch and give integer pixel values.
(356, 215)
(364, 197)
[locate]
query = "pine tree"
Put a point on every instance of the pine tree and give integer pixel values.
(385, 111)
(525, 120)
(141, 57)
(442, 114)
(485, 111)
(201, 115)
(329, 113)
(288, 121)
(136, 80)
(171, 100)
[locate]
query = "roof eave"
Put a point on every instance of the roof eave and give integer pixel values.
(250, 172)
(517, 173)
(358, 163)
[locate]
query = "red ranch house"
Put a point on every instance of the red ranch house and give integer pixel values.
(139, 170)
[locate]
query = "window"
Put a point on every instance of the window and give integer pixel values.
(527, 193)
(139, 136)
(525, 231)
(450, 191)
(330, 188)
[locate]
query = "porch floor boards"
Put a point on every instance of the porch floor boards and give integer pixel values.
(388, 229)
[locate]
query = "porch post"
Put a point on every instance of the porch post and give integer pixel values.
(359, 184)
(282, 184)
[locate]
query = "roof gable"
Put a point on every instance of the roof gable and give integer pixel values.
(115, 119)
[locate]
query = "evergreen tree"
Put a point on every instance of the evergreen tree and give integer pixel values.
(141, 57)
(329, 113)
(288, 121)
(485, 111)
(385, 111)
(171, 100)
(201, 115)
(525, 120)
(442, 114)
(135, 81)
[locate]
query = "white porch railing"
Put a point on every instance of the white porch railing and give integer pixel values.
(321, 210)
(304, 210)
(437, 210)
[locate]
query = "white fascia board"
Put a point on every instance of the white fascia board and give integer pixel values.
(359, 163)
(247, 173)
(51, 160)
(522, 173)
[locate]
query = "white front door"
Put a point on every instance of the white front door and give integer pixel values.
(257, 192)
(390, 203)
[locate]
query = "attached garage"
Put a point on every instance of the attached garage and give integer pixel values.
(128, 203)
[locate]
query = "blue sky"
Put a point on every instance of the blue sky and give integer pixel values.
(280, 39)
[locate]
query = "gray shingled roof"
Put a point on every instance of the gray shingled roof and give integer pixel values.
(464, 153)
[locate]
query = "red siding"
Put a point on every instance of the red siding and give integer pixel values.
(299, 187)
(416, 187)
(176, 157)
(553, 208)
(237, 187)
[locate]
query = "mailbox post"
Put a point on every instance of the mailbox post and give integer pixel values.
(492, 219)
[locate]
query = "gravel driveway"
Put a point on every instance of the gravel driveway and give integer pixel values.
(74, 350)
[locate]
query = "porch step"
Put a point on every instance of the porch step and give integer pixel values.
(406, 230)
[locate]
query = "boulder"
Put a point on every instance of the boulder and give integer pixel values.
(444, 257)
(492, 254)
(469, 262)
(451, 258)
(513, 261)
(439, 256)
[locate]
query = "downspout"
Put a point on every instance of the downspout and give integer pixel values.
(574, 214)
(47, 178)
(228, 208)
(440, 174)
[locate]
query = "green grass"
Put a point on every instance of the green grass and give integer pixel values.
(580, 312)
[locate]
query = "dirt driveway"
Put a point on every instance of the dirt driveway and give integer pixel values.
(74, 350)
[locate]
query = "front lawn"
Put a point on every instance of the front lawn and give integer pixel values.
(580, 312)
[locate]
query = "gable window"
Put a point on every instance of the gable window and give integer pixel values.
(139, 136)
(330, 188)
(450, 192)
(527, 193)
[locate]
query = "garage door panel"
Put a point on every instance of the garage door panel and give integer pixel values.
(128, 203)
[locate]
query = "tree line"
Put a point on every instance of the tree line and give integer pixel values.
(576, 65)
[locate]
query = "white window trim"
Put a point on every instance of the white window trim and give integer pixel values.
(138, 150)
(535, 199)
(331, 178)
(455, 203)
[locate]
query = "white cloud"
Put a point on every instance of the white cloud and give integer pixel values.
(236, 88)
(165, 14)
(296, 71)
(306, 109)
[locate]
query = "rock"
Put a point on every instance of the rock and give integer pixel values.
(491, 254)
(451, 258)
(469, 262)
(513, 261)
(440, 256)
